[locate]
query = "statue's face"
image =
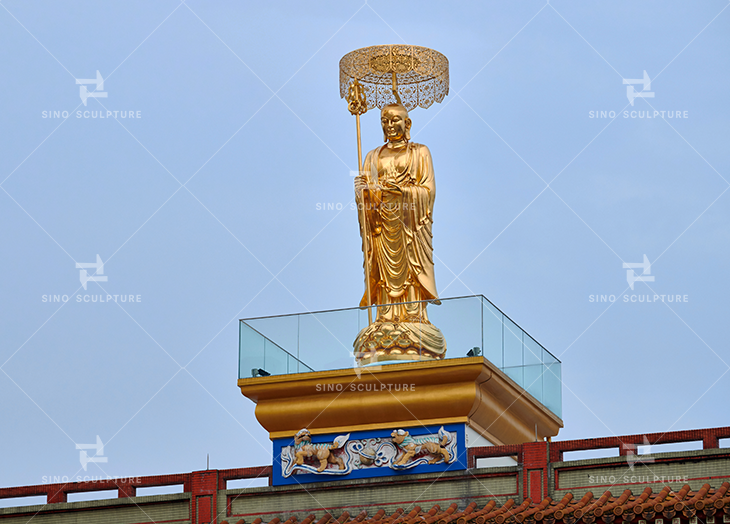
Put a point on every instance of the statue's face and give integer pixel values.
(395, 122)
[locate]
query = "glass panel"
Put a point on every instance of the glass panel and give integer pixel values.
(461, 323)
(552, 389)
(549, 358)
(533, 379)
(296, 366)
(362, 318)
(532, 351)
(281, 330)
(516, 374)
(253, 356)
(492, 333)
(323, 340)
(275, 359)
(512, 344)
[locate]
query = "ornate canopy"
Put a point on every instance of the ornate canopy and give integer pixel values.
(420, 74)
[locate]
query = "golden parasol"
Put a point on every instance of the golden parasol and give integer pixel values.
(419, 76)
(378, 75)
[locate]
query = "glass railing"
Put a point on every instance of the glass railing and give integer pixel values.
(471, 325)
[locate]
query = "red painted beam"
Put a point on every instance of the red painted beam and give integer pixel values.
(127, 487)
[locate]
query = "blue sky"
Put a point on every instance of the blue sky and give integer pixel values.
(209, 207)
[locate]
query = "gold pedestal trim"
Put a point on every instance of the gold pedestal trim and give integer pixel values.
(408, 354)
(464, 390)
(381, 425)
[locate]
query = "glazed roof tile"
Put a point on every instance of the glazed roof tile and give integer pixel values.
(625, 508)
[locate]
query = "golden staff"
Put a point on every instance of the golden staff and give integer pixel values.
(394, 88)
(357, 106)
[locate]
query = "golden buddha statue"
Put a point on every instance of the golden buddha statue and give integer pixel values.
(395, 192)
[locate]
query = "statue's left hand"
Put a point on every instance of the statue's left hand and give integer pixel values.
(392, 187)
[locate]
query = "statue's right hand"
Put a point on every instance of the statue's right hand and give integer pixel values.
(360, 184)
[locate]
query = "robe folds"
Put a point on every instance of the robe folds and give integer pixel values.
(397, 234)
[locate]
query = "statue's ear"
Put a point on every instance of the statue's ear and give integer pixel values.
(408, 128)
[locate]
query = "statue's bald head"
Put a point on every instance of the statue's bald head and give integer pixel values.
(395, 121)
(399, 108)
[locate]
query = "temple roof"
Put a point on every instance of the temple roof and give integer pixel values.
(626, 508)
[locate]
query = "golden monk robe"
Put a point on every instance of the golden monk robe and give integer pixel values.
(396, 190)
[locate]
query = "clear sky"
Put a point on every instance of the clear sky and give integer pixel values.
(211, 205)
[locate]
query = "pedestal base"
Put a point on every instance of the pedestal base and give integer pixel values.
(384, 341)
(468, 390)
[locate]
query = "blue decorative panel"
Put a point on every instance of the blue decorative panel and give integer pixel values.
(363, 454)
